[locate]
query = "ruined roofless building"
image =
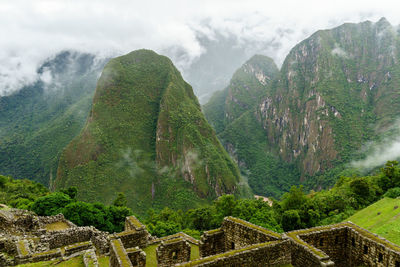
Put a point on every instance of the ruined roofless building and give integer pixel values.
(235, 243)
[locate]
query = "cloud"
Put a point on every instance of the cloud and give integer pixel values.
(338, 51)
(379, 152)
(35, 30)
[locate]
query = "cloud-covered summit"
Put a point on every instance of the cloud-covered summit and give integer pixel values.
(33, 31)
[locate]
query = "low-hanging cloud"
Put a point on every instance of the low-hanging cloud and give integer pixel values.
(379, 152)
(35, 30)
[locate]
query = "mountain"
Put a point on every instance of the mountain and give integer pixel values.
(335, 91)
(232, 112)
(223, 54)
(40, 119)
(147, 137)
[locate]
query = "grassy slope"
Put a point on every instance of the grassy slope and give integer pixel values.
(139, 97)
(381, 218)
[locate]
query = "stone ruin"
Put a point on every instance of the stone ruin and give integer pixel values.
(26, 238)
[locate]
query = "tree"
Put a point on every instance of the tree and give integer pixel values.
(294, 199)
(390, 175)
(82, 214)
(164, 228)
(70, 191)
(3, 181)
(225, 205)
(361, 190)
(120, 201)
(291, 220)
(51, 204)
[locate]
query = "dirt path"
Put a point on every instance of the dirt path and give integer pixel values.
(264, 199)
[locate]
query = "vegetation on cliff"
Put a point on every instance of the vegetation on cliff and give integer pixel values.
(146, 137)
(336, 91)
(39, 120)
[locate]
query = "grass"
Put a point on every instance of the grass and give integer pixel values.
(151, 256)
(74, 262)
(381, 218)
(57, 226)
(104, 261)
(194, 252)
(22, 247)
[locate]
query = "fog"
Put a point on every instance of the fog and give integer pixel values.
(201, 37)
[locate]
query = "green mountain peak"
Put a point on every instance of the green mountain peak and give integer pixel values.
(146, 137)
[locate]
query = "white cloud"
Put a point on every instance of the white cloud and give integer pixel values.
(338, 51)
(31, 31)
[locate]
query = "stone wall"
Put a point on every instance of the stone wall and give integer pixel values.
(137, 257)
(369, 249)
(71, 249)
(343, 244)
(76, 235)
(239, 233)
(302, 256)
(47, 255)
(181, 235)
(133, 238)
(331, 241)
(8, 246)
(265, 254)
(172, 252)
(132, 223)
(212, 242)
(118, 255)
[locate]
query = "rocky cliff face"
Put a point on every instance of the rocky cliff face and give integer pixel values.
(335, 91)
(248, 84)
(146, 136)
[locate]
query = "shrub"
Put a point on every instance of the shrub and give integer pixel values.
(393, 192)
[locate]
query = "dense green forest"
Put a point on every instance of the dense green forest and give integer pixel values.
(297, 209)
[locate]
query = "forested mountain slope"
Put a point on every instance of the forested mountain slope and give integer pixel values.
(39, 120)
(146, 137)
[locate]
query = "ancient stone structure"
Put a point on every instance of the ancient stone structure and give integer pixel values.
(40, 238)
(173, 251)
(239, 243)
(235, 243)
(137, 256)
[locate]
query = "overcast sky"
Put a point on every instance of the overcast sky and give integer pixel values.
(33, 30)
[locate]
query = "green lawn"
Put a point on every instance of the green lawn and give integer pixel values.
(382, 218)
